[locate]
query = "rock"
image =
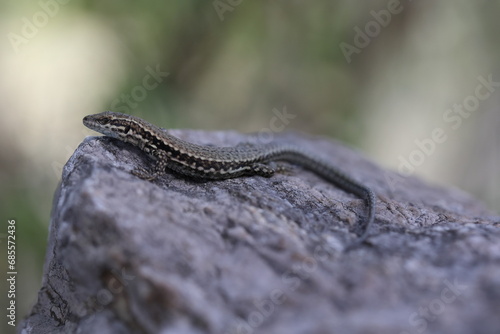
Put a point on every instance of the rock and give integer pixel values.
(261, 255)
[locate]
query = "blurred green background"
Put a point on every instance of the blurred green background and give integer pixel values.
(377, 75)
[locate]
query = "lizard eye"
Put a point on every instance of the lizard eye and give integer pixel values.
(102, 121)
(127, 129)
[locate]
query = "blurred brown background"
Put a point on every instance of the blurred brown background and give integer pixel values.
(382, 76)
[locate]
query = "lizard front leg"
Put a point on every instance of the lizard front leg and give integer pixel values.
(158, 170)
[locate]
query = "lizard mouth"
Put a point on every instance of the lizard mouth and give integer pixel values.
(89, 122)
(92, 122)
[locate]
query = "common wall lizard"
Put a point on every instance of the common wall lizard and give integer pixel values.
(216, 163)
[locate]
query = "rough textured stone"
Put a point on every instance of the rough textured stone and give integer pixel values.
(261, 255)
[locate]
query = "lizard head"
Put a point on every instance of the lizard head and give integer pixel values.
(109, 123)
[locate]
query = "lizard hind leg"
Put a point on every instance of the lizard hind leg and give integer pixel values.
(268, 170)
(262, 170)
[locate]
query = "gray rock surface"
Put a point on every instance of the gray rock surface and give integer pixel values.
(261, 255)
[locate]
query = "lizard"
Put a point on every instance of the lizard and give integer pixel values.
(206, 162)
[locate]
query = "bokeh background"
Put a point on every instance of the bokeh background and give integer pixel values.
(380, 76)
